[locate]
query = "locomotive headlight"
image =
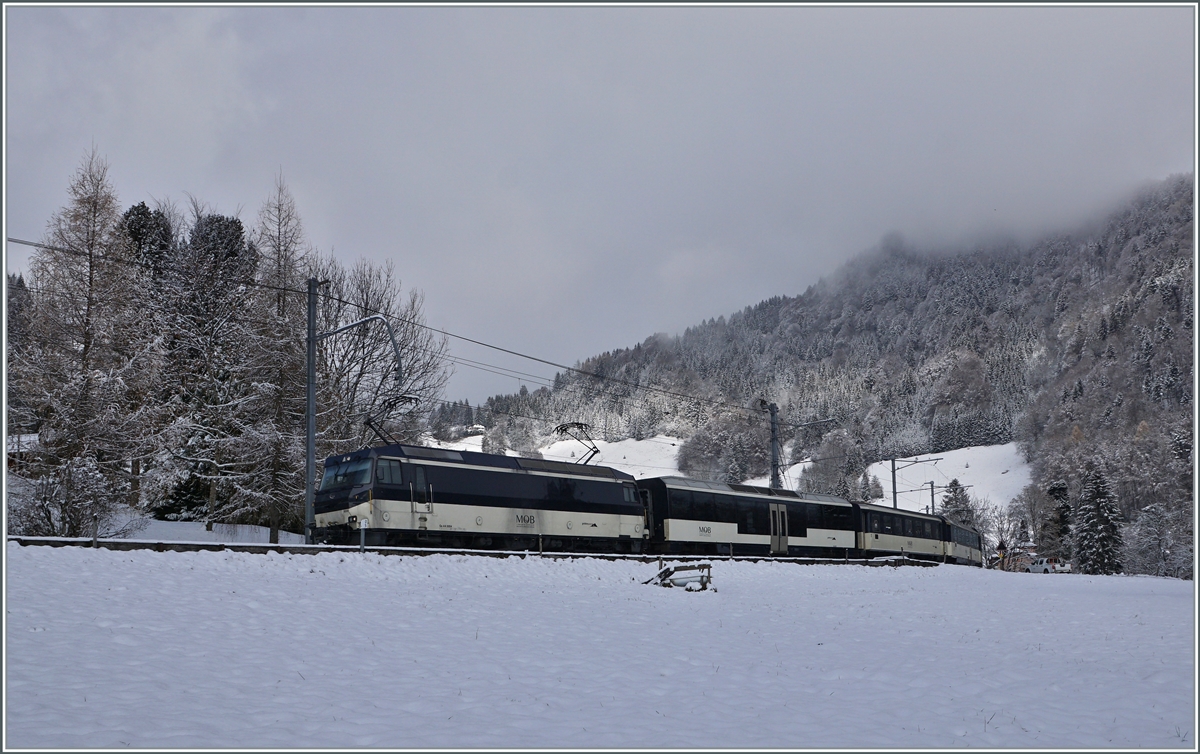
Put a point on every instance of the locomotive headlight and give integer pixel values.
(352, 520)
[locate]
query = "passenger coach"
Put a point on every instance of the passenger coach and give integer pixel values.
(694, 516)
(888, 530)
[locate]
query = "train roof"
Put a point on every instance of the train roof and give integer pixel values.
(918, 514)
(890, 509)
(473, 458)
(742, 489)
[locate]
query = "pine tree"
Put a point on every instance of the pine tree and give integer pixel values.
(1098, 540)
(956, 504)
(1056, 538)
(209, 348)
(1159, 542)
(277, 431)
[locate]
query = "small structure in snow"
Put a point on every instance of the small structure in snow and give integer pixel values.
(693, 577)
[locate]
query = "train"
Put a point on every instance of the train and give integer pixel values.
(407, 495)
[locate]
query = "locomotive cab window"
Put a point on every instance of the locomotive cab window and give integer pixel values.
(348, 474)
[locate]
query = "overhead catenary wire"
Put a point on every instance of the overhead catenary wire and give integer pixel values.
(753, 413)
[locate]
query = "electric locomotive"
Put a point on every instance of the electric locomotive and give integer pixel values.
(408, 495)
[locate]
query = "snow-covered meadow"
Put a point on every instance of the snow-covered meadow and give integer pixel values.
(219, 649)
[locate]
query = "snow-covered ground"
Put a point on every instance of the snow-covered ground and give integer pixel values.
(995, 472)
(195, 650)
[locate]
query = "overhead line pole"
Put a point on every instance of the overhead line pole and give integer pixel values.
(776, 451)
(895, 503)
(775, 484)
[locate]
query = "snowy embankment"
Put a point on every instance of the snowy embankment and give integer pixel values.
(142, 649)
(197, 531)
(994, 472)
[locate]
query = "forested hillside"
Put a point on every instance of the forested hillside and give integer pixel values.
(1079, 346)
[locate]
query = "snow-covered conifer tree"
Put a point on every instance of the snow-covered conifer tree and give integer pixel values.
(1098, 541)
(958, 506)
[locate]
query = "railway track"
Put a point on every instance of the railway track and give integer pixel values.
(291, 549)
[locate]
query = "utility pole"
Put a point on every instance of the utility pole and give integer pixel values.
(932, 502)
(776, 448)
(895, 504)
(775, 483)
(310, 433)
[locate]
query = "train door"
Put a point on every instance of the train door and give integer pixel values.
(647, 523)
(420, 490)
(779, 529)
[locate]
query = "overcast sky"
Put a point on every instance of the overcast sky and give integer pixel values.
(566, 181)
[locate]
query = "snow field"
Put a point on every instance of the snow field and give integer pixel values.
(143, 649)
(994, 472)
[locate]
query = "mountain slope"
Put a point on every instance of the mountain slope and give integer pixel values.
(1078, 346)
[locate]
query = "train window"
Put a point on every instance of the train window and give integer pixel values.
(703, 506)
(815, 515)
(752, 516)
(875, 525)
(473, 486)
(725, 509)
(908, 527)
(889, 524)
(795, 521)
(838, 517)
(387, 471)
(680, 503)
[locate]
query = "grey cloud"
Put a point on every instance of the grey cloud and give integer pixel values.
(564, 181)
